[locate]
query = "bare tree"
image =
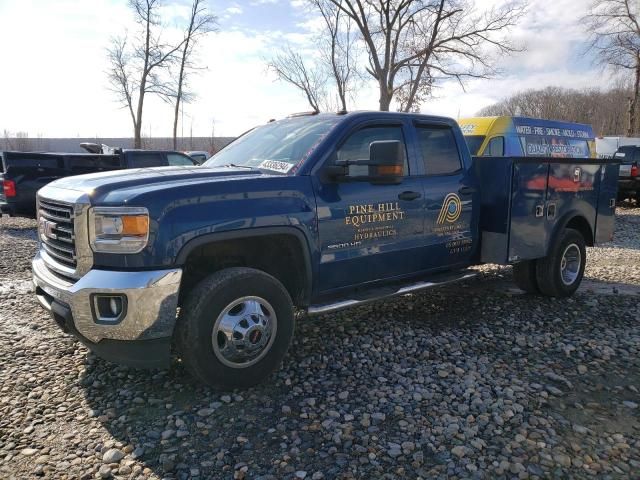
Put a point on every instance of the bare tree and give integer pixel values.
(413, 43)
(605, 110)
(290, 67)
(21, 142)
(200, 23)
(338, 49)
(615, 36)
(136, 70)
(8, 144)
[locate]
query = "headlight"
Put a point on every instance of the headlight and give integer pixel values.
(118, 229)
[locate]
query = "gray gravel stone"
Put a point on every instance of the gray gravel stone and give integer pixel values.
(475, 380)
(112, 456)
(104, 471)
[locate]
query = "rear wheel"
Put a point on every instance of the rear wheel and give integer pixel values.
(524, 275)
(560, 273)
(235, 328)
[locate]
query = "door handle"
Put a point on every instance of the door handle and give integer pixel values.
(409, 195)
(466, 190)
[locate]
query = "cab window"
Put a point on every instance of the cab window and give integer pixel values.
(439, 150)
(356, 148)
(144, 160)
(495, 148)
(176, 160)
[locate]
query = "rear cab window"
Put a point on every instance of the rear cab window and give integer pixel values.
(177, 159)
(199, 158)
(146, 159)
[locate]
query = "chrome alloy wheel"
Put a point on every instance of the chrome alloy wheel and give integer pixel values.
(244, 332)
(570, 264)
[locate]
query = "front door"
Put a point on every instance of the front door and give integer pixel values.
(369, 232)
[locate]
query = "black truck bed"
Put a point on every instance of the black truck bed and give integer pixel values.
(22, 174)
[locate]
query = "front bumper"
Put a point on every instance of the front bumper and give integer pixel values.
(149, 320)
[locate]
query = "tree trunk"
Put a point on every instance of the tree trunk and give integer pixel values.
(137, 137)
(633, 102)
(385, 98)
(137, 131)
(175, 124)
(343, 99)
(183, 61)
(630, 117)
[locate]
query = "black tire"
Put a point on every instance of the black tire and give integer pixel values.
(549, 269)
(205, 306)
(524, 275)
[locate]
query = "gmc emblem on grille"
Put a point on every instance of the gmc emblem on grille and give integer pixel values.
(47, 229)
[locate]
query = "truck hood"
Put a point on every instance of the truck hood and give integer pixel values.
(97, 185)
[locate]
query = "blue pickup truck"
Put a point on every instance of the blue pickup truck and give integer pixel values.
(315, 212)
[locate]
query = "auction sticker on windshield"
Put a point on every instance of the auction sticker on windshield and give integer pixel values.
(276, 166)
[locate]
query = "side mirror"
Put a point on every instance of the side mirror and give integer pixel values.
(386, 162)
(385, 165)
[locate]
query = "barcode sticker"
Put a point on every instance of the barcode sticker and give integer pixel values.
(276, 166)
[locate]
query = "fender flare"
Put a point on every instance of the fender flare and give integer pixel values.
(208, 238)
(562, 224)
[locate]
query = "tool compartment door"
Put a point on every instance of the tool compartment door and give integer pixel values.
(608, 191)
(528, 233)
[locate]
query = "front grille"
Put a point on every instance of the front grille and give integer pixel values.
(57, 234)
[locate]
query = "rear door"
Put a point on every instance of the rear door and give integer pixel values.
(449, 197)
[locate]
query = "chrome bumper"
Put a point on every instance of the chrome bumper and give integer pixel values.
(152, 298)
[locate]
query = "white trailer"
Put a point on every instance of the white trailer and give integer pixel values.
(607, 146)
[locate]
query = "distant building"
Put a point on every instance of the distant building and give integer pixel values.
(72, 145)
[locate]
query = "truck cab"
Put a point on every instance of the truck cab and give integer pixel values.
(314, 212)
(629, 180)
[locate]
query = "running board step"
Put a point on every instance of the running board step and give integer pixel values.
(388, 292)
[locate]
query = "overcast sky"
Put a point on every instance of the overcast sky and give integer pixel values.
(53, 80)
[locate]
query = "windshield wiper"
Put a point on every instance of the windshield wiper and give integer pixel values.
(233, 165)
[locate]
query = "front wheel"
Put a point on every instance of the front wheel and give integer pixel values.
(560, 273)
(235, 328)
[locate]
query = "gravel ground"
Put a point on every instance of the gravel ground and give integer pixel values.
(472, 381)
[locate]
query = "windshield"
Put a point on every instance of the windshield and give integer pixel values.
(278, 146)
(474, 142)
